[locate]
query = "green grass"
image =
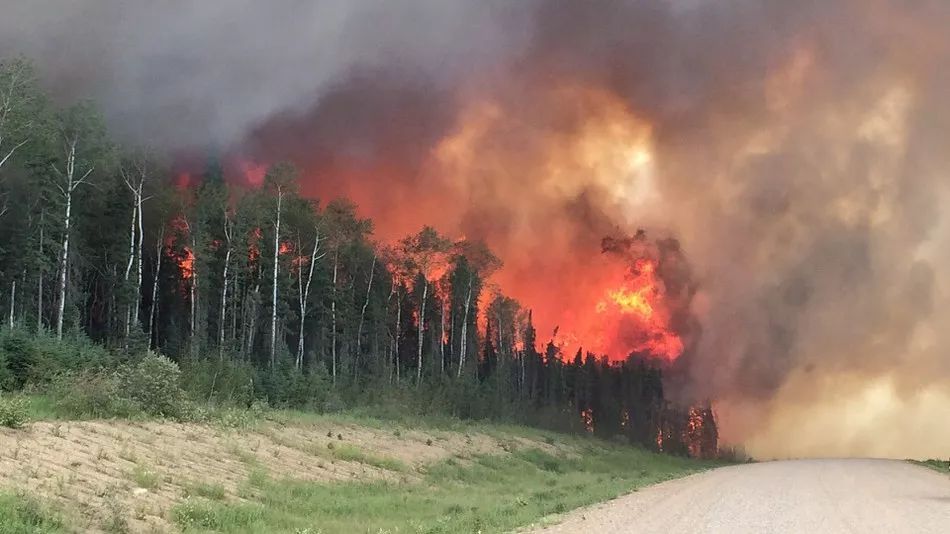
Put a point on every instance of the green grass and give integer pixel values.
(487, 494)
(938, 465)
(21, 514)
(146, 478)
(214, 492)
(351, 453)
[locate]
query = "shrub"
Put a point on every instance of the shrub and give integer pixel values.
(21, 513)
(14, 413)
(91, 394)
(285, 387)
(6, 377)
(20, 357)
(153, 383)
(216, 380)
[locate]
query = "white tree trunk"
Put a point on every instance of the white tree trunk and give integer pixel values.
(138, 254)
(64, 257)
(39, 285)
(464, 334)
(128, 268)
(12, 302)
(359, 328)
(193, 294)
(422, 322)
(273, 315)
(222, 313)
(398, 325)
(442, 338)
(336, 261)
(158, 268)
(303, 296)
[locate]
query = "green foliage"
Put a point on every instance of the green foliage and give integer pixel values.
(91, 394)
(285, 387)
(153, 383)
(14, 412)
(146, 478)
(219, 380)
(214, 492)
(30, 359)
(937, 465)
(22, 514)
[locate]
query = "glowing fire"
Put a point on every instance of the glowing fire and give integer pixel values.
(186, 263)
(636, 311)
(587, 419)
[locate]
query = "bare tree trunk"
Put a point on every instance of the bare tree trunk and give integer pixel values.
(71, 183)
(336, 261)
(234, 308)
(304, 294)
(442, 339)
(39, 285)
(273, 315)
(398, 326)
(12, 302)
(359, 328)
(136, 304)
(193, 293)
(153, 312)
(223, 311)
(252, 321)
(422, 322)
(128, 269)
(451, 329)
(464, 334)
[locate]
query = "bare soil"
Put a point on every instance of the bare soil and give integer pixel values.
(134, 472)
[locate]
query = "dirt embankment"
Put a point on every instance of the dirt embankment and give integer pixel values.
(132, 473)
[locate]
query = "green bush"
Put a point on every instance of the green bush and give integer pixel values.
(27, 358)
(285, 387)
(221, 381)
(20, 357)
(153, 383)
(92, 394)
(14, 413)
(6, 377)
(22, 514)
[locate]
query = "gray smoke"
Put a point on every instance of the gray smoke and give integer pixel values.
(800, 156)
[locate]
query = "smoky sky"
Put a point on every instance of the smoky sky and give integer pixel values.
(800, 154)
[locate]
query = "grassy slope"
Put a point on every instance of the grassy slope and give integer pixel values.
(938, 465)
(489, 494)
(462, 493)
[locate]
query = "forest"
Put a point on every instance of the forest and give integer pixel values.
(258, 294)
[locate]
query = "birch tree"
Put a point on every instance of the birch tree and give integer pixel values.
(474, 262)
(344, 230)
(279, 182)
(83, 146)
(22, 109)
(426, 253)
(135, 171)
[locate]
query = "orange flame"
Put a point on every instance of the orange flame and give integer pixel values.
(637, 307)
(187, 264)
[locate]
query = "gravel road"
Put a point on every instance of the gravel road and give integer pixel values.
(795, 496)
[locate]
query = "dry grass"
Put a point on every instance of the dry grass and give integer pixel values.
(118, 476)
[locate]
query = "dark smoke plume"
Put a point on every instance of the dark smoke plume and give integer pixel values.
(797, 151)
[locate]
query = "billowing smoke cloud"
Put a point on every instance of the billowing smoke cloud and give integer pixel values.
(797, 151)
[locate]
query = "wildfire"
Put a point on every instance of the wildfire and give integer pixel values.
(186, 263)
(637, 311)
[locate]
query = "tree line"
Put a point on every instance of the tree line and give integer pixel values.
(262, 289)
